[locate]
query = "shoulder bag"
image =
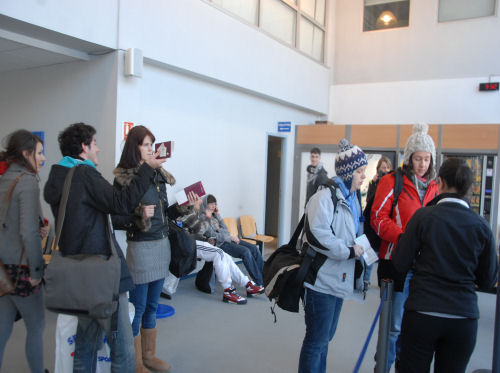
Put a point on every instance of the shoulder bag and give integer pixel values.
(82, 284)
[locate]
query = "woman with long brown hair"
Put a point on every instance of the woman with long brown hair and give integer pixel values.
(148, 250)
(20, 242)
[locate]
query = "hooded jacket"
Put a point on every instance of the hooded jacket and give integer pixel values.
(451, 249)
(139, 228)
(387, 228)
(333, 272)
(90, 199)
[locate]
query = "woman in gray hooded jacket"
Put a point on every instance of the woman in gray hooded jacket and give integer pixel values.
(20, 242)
(331, 231)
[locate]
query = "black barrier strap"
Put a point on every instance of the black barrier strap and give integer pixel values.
(370, 333)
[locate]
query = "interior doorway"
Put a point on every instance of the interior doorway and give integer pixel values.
(273, 184)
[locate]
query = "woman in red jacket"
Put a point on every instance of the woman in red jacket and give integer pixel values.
(419, 188)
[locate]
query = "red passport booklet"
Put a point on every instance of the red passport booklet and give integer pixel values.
(165, 148)
(181, 196)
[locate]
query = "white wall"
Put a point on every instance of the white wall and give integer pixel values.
(444, 101)
(220, 137)
(196, 37)
(50, 98)
(95, 21)
(426, 50)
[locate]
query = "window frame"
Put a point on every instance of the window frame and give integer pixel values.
(298, 14)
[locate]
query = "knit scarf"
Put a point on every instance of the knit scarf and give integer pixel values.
(351, 199)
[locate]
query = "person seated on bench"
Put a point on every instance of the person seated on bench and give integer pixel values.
(226, 270)
(248, 253)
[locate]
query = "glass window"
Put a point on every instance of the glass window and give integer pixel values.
(307, 6)
(278, 19)
(246, 9)
(319, 14)
(311, 39)
(385, 14)
(315, 9)
(450, 10)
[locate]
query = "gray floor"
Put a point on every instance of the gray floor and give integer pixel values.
(207, 335)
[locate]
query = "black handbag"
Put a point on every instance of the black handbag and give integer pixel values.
(183, 250)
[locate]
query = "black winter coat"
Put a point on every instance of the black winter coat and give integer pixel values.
(138, 228)
(451, 249)
(90, 199)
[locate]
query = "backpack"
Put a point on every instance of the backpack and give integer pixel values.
(183, 250)
(285, 270)
(368, 230)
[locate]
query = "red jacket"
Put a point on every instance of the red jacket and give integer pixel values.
(409, 201)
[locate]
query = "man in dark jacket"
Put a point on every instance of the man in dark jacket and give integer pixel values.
(316, 174)
(91, 199)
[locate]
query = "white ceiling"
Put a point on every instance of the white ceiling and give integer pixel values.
(25, 46)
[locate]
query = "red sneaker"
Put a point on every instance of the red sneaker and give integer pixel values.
(231, 296)
(254, 289)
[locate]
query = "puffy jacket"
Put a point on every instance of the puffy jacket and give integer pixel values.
(90, 199)
(138, 228)
(387, 228)
(333, 272)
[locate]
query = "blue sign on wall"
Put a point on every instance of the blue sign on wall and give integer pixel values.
(284, 126)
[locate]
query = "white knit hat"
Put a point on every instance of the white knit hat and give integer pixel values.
(420, 141)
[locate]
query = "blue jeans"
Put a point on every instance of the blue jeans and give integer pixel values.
(398, 303)
(89, 337)
(145, 298)
(250, 255)
(322, 312)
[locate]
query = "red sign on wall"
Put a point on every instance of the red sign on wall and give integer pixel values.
(127, 126)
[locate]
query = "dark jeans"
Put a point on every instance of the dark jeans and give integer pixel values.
(145, 298)
(89, 337)
(250, 255)
(322, 312)
(451, 341)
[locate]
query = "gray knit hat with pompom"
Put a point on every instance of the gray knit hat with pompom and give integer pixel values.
(420, 141)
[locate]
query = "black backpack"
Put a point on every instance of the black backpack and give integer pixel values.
(183, 250)
(285, 270)
(367, 228)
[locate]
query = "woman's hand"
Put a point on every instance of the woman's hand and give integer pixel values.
(34, 282)
(44, 231)
(148, 211)
(358, 250)
(154, 162)
(235, 239)
(194, 200)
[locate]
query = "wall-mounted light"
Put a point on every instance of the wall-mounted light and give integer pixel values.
(386, 18)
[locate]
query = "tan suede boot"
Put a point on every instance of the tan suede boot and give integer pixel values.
(139, 366)
(148, 339)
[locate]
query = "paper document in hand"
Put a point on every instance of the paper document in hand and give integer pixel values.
(196, 188)
(370, 256)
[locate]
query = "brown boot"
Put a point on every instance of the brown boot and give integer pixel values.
(139, 366)
(148, 339)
